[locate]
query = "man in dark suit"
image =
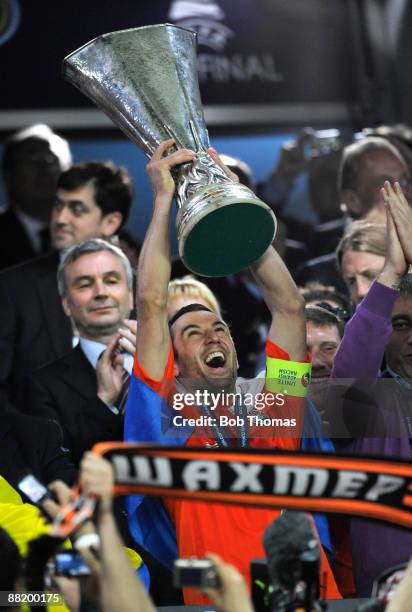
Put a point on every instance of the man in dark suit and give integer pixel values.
(30, 445)
(81, 390)
(93, 200)
(32, 161)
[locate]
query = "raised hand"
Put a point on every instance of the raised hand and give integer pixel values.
(160, 165)
(293, 158)
(97, 479)
(63, 494)
(231, 594)
(216, 158)
(109, 373)
(127, 338)
(401, 213)
(395, 264)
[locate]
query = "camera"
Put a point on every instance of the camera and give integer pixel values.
(69, 563)
(198, 573)
(34, 490)
(324, 142)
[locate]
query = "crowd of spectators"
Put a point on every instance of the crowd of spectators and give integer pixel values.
(97, 331)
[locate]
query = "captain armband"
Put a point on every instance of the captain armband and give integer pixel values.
(287, 377)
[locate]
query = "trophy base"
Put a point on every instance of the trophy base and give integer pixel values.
(223, 229)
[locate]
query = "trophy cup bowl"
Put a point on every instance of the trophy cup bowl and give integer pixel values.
(145, 80)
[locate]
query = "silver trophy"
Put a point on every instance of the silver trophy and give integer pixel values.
(145, 80)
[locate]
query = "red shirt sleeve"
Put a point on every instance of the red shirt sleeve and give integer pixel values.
(276, 352)
(160, 386)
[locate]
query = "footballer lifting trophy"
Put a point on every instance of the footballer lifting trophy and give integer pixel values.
(145, 80)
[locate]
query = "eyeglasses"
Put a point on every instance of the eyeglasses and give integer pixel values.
(340, 313)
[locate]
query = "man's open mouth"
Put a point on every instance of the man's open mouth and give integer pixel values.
(217, 359)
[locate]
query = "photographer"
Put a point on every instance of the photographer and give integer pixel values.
(111, 583)
(117, 584)
(231, 595)
(120, 588)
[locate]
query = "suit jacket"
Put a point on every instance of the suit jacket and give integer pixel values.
(15, 245)
(33, 327)
(66, 391)
(31, 445)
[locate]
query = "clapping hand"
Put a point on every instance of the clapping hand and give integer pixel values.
(127, 340)
(401, 214)
(109, 372)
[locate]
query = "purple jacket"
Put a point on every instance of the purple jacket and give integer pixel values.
(375, 546)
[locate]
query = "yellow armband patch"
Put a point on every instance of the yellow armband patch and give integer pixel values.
(287, 377)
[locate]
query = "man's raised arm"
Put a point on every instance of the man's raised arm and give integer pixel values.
(286, 305)
(153, 338)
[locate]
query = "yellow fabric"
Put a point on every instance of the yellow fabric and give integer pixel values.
(134, 558)
(61, 607)
(23, 523)
(8, 495)
(287, 377)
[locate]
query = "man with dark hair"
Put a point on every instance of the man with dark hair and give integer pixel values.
(32, 161)
(33, 327)
(193, 352)
(29, 445)
(324, 332)
(316, 294)
(93, 200)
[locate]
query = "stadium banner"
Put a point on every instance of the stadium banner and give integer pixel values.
(373, 487)
(249, 71)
